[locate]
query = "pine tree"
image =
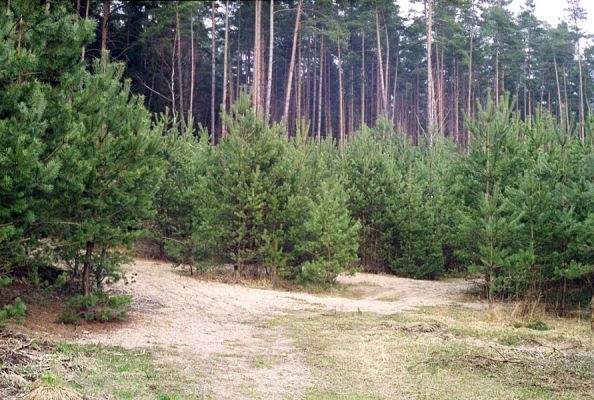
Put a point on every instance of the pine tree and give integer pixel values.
(38, 54)
(110, 172)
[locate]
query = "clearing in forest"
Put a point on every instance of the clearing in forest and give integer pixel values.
(376, 337)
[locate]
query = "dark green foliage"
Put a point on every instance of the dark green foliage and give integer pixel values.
(9, 310)
(78, 151)
(372, 184)
(36, 53)
(110, 171)
(182, 198)
(85, 169)
(96, 307)
(257, 201)
(538, 326)
(16, 310)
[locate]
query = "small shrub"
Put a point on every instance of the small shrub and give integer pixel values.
(96, 307)
(13, 311)
(538, 326)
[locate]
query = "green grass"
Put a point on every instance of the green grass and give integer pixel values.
(108, 372)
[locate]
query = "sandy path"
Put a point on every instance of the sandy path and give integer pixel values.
(212, 323)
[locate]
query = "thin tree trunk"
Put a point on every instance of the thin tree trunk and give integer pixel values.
(441, 127)
(430, 84)
(83, 51)
(321, 78)
(457, 105)
(469, 105)
(387, 79)
(172, 80)
(327, 116)
(382, 88)
(497, 76)
(270, 60)
(239, 57)
(566, 99)
(257, 54)
(308, 82)
(362, 79)
(192, 69)
(340, 101)
(299, 73)
(351, 127)
(315, 90)
(394, 107)
(105, 25)
(581, 102)
(225, 60)
(559, 99)
(179, 66)
(86, 275)
(291, 67)
(213, 70)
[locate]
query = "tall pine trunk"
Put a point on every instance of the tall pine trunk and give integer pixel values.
(362, 79)
(213, 72)
(431, 123)
(225, 60)
(179, 66)
(321, 78)
(192, 69)
(340, 101)
(382, 86)
(257, 63)
(291, 68)
(270, 60)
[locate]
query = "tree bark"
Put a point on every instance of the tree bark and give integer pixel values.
(340, 101)
(299, 72)
(581, 102)
(321, 78)
(430, 84)
(394, 107)
(256, 84)
(270, 60)
(213, 70)
(382, 88)
(105, 25)
(86, 275)
(179, 66)
(291, 67)
(469, 105)
(83, 51)
(225, 61)
(559, 99)
(362, 79)
(192, 69)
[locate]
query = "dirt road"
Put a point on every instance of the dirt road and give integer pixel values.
(220, 327)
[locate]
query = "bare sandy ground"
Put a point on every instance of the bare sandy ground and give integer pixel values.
(172, 309)
(219, 326)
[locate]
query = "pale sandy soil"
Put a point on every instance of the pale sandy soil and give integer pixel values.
(219, 327)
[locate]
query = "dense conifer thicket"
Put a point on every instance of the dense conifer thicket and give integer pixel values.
(85, 169)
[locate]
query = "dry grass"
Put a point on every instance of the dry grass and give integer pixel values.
(442, 353)
(42, 370)
(41, 391)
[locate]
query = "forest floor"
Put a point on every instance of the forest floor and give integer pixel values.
(374, 337)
